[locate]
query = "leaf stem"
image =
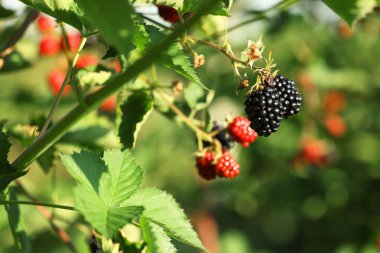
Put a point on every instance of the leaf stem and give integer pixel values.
(112, 85)
(34, 203)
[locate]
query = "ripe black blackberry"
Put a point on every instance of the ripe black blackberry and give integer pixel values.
(289, 96)
(264, 110)
(223, 137)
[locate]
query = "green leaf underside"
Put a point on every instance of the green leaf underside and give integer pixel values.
(63, 10)
(103, 185)
(352, 10)
(135, 111)
(114, 20)
(16, 222)
(162, 209)
(156, 238)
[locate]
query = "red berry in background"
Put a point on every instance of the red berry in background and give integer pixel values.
(345, 31)
(226, 166)
(49, 45)
(335, 125)
(109, 105)
(206, 168)
(334, 101)
(85, 61)
(314, 152)
(56, 78)
(117, 66)
(74, 39)
(45, 23)
(241, 131)
(168, 13)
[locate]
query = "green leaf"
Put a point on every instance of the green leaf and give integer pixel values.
(15, 61)
(352, 10)
(197, 98)
(135, 111)
(90, 78)
(103, 185)
(156, 238)
(178, 61)
(162, 209)
(173, 3)
(17, 225)
(221, 7)
(7, 173)
(113, 19)
(5, 13)
(63, 10)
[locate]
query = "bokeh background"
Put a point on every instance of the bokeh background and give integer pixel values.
(312, 187)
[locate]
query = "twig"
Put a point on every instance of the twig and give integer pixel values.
(47, 215)
(185, 119)
(59, 96)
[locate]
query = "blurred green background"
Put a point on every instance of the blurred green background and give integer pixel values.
(280, 202)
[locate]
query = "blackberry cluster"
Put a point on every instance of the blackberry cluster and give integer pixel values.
(264, 110)
(289, 96)
(266, 107)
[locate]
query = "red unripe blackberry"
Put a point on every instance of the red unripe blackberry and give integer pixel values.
(49, 46)
(85, 61)
(205, 166)
(264, 110)
(335, 125)
(74, 39)
(289, 96)
(334, 101)
(45, 23)
(109, 105)
(56, 78)
(168, 13)
(226, 166)
(314, 152)
(241, 131)
(117, 66)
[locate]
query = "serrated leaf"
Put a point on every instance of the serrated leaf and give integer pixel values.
(197, 98)
(63, 10)
(162, 209)
(135, 111)
(103, 185)
(156, 238)
(7, 173)
(352, 10)
(114, 20)
(178, 61)
(17, 224)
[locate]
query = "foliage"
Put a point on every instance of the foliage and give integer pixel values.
(317, 177)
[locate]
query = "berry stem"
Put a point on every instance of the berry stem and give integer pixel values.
(184, 118)
(34, 203)
(111, 86)
(59, 96)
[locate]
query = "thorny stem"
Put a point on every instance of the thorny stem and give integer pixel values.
(184, 118)
(59, 96)
(49, 217)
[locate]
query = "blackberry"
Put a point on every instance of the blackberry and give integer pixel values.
(223, 136)
(264, 109)
(289, 96)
